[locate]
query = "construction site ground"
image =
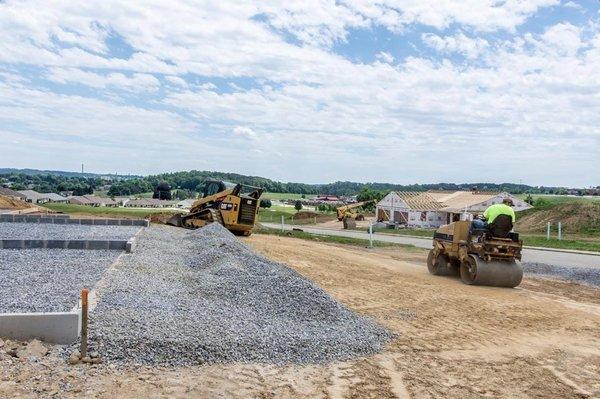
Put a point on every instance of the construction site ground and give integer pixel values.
(539, 340)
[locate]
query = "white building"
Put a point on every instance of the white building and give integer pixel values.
(434, 208)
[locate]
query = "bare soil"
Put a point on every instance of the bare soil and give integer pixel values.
(14, 204)
(540, 340)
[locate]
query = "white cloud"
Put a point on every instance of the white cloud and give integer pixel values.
(135, 82)
(244, 132)
(537, 91)
(469, 47)
(564, 37)
(385, 57)
(572, 4)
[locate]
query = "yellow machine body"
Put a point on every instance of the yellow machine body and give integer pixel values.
(479, 259)
(348, 211)
(223, 203)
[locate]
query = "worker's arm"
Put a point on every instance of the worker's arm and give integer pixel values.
(486, 214)
(512, 214)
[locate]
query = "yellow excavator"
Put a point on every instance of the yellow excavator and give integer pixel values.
(235, 206)
(347, 211)
(348, 215)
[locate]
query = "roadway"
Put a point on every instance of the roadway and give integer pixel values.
(534, 255)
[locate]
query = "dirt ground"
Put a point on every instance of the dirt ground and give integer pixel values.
(14, 204)
(541, 340)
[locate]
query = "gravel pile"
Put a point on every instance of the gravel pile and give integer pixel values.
(192, 297)
(48, 280)
(41, 231)
(583, 275)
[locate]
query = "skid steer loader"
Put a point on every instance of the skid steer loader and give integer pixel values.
(235, 206)
(478, 256)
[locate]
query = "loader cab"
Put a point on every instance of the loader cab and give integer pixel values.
(212, 187)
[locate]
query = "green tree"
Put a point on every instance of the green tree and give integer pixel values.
(265, 203)
(298, 205)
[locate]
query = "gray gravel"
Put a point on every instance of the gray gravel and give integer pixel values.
(27, 231)
(48, 280)
(583, 275)
(192, 297)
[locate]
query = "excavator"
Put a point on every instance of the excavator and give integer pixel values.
(347, 215)
(235, 206)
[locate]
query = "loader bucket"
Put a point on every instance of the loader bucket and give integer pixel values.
(176, 220)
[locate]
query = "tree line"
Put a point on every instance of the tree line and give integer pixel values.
(188, 184)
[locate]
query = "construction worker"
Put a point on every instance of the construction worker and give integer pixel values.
(492, 212)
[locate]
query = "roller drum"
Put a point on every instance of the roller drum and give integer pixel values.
(495, 273)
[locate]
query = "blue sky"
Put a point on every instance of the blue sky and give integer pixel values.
(402, 91)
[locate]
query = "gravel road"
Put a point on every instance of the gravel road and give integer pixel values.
(48, 280)
(36, 231)
(582, 275)
(192, 297)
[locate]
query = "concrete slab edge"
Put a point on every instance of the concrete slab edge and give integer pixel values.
(117, 245)
(65, 219)
(53, 327)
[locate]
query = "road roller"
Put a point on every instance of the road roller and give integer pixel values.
(477, 256)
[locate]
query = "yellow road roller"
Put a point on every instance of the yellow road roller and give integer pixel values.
(478, 256)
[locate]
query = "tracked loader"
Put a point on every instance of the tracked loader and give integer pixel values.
(235, 206)
(481, 257)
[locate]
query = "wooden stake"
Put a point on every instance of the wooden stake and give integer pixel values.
(84, 322)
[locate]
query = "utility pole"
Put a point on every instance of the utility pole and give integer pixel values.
(81, 168)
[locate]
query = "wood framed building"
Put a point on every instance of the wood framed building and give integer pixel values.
(432, 209)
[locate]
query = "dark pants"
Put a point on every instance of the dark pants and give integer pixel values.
(478, 224)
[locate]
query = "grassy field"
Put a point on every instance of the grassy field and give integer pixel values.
(332, 239)
(560, 199)
(582, 244)
(275, 212)
(283, 196)
(103, 211)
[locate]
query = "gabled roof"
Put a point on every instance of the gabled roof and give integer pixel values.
(450, 201)
(419, 201)
(33, 195)
(54, 197)
(460, 200)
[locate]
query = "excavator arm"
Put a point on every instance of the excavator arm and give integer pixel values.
(343, 210)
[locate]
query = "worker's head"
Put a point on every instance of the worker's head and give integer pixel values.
(508, 201)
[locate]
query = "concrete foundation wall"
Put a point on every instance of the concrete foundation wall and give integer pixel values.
(60, 328)
(67, 244)
(65, 219)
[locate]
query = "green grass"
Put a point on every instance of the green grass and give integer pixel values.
(102, 210)
(560, 199)
(274, 214)
(283, 196)
(582, 245)
(333, 239)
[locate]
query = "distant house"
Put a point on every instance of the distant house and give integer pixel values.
(435, 208)
(7, 192)
(327, 198)
(149, 203)
(92, 200)
(34, 197)
(52, 197)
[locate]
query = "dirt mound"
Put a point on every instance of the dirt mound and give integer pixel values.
(305, 215)
(580, 217)
(14, 204)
